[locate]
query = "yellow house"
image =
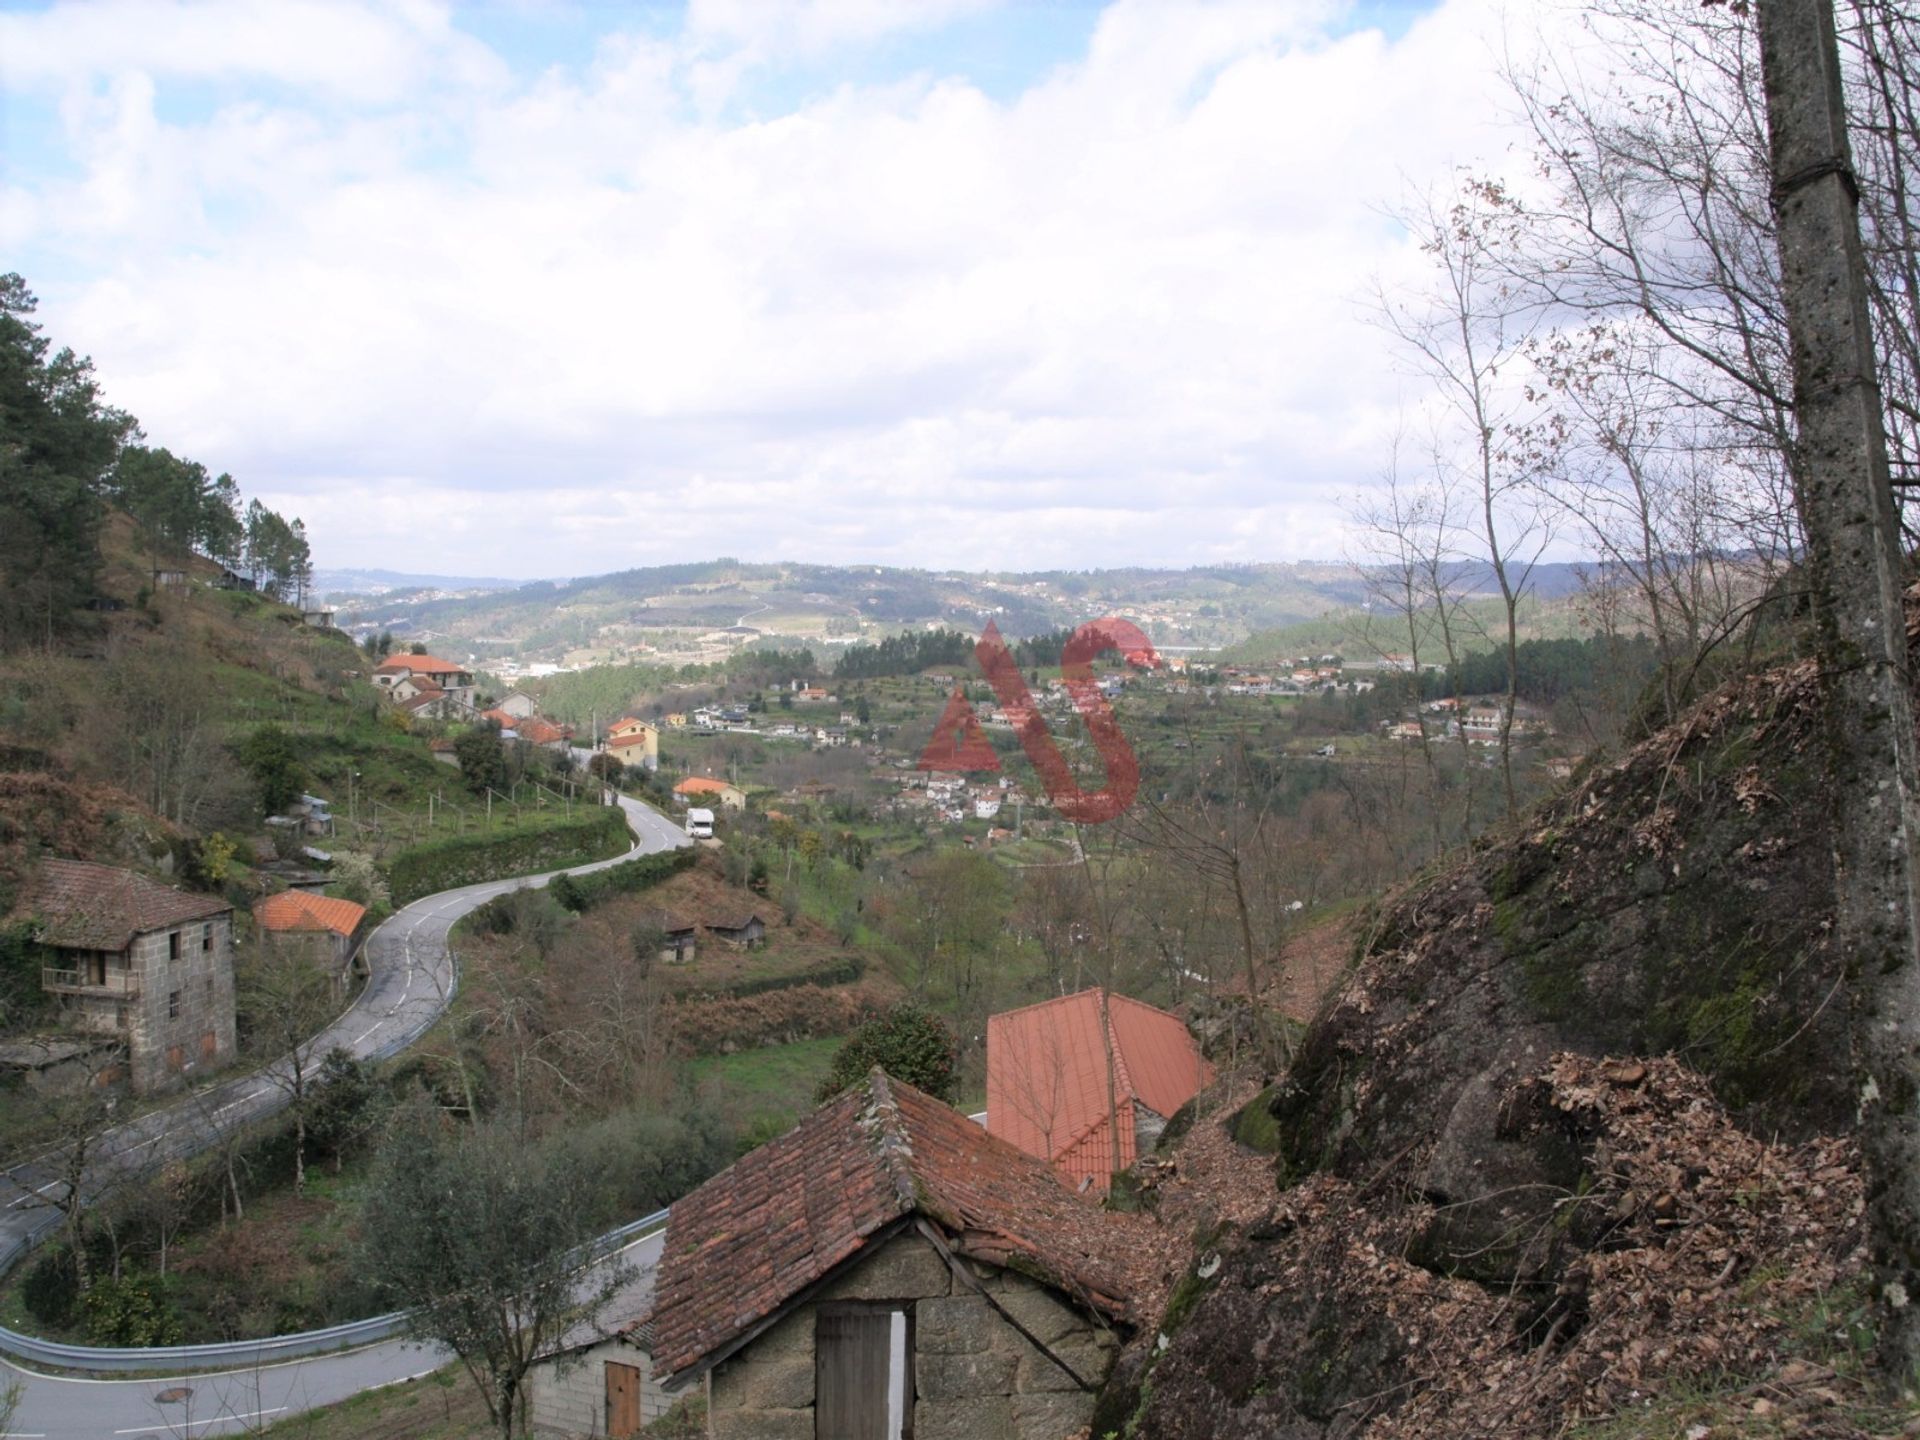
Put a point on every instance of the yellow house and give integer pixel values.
(633, 742)
(676, 721)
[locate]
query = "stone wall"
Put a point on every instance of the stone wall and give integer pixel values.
(975, 1376)
(182, 1021)
(568, 1400)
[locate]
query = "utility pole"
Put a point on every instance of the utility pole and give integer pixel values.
(1853, 554)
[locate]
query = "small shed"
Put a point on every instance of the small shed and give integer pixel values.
(743, 931)
(61, 1064)
(679, 936)
(329, 930)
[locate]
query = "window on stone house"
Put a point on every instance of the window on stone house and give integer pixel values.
(206, 937)
(173, 1004)
(173, 945)
(863, 1372)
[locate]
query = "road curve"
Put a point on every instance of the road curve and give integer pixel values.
(411, 983)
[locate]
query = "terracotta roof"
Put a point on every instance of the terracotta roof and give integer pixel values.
(623, 742)
(417, 665)
(424, 696)
(501, 718)
(1047, 1079)
(536, 731)
(701, 785)
(783, 1216)
(301, 910)
(97, 907)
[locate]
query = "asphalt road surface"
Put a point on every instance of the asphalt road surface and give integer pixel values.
(410, 984)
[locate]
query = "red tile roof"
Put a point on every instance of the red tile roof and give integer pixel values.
(626, 742)
(301, 910)
(783, 1216)
(536, 731)
(97, 907)
(701, 785)
(1047, 1079)
(418, 665)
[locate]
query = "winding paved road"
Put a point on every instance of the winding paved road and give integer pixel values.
(411, 983)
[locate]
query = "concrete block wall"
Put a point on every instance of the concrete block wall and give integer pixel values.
(975, 1376)
(569, 1401)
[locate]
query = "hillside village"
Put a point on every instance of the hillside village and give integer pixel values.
(1036, 964)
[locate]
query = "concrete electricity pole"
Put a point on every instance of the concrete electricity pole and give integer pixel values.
(1853, 555)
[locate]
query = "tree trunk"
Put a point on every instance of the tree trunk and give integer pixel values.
(1846, 506)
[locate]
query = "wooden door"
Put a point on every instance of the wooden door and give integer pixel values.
(623, 1400)
(851, 1350)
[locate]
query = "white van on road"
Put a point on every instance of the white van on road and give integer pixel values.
(700, 824)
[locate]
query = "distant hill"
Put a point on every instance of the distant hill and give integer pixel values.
(701, 612)
(339, 583)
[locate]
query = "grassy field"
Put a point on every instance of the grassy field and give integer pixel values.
(441, 1406)
(775, 1083)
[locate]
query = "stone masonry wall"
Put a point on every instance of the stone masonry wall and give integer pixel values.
(975, 1376)
(184, 1014)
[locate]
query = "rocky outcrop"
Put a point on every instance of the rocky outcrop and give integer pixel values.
(1438, 1171)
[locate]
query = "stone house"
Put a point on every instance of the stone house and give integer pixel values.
(139, 961)
(329, 930)
(517, 705)
(888, 1269)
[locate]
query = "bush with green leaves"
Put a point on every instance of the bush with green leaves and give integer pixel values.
(133, 1310)
(273, 761)
(909, 1042)
(583, 892)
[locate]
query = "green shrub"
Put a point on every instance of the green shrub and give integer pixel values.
(530, 849)
(580, 893)
(908, 1042)
(133, 1310)
(51, 1289)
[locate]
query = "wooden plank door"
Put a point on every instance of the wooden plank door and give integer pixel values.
(623, 1400)
(851, 1350)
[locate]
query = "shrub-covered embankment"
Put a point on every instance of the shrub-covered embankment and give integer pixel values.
(534, 846)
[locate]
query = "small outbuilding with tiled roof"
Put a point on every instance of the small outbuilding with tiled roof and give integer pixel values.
(1049, 1090)
(888, 1269)
(132, 958)
(706, 788)
(324, 928)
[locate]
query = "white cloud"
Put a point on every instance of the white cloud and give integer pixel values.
(571, 320)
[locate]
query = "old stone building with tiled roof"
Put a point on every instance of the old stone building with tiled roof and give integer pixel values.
(134, 959)
(884, 1269)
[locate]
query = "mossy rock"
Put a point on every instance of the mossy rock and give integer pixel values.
(1253, 1124)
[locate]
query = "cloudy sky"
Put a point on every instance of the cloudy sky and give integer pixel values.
(537, 289)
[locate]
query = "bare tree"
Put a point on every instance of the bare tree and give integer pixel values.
(287, 997)
(76, 1170)
(1469, 332)
(1854, 553)
(1411, 561)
